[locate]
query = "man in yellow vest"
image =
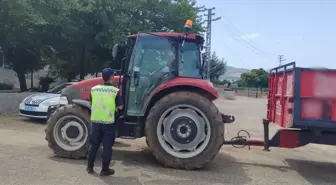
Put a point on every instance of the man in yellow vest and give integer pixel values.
(105, 101)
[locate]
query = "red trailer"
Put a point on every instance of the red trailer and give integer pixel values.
(303, 102)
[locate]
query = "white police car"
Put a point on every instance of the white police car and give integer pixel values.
(36, 105)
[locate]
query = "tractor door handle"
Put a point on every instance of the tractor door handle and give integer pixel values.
(136, 78)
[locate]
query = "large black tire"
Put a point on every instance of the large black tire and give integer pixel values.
(207, 108)
(68, 110)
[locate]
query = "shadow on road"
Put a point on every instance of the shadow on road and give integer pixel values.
(313, 171)
(274, 167)
(34, 121)
(117, 180)
(141, 164)
(120, 144)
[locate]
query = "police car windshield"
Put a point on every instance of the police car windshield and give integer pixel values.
(58, 89)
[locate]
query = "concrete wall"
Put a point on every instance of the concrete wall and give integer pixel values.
(9, 76)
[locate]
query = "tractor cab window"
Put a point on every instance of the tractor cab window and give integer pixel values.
(153, 61)
(190, 62)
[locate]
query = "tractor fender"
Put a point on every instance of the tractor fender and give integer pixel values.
(207, 87)
(202, 87)
(82, 103)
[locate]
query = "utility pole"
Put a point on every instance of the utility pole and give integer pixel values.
(208, 38)
(281, 59)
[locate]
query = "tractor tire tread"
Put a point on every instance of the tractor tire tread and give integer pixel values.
(200, 160)
(62, 111)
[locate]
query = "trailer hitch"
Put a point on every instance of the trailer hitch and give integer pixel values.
(227, 118)
(241, 141)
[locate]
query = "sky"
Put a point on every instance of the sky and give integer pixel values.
(252, 33)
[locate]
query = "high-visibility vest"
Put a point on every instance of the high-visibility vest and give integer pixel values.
(103, 105)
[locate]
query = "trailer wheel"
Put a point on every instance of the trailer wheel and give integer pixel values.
(184, 130)
(68, 130)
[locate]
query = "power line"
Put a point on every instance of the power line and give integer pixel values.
(247, 43)
(209, 21)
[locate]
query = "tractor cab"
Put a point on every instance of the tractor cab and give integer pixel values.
(148, 60)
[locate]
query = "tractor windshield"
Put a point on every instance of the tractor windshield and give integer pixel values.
(154, 54)
(154, 60)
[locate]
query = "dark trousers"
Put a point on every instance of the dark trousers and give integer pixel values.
(101, 133)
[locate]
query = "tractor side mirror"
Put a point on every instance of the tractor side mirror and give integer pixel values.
(115, 51)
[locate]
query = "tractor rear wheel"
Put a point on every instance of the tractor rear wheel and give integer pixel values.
(184, 130)
(68, 130)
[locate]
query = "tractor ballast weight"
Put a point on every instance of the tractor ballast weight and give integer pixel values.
(165, 98)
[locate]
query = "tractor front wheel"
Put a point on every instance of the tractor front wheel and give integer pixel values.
(68, 130)
(184, 130)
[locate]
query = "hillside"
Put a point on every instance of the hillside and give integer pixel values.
(233, 73)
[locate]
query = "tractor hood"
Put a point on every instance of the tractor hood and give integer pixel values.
(81, 90)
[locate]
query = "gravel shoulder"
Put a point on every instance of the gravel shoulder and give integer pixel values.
(26, 159)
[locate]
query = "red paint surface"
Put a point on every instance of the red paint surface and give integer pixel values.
(312, 109)
(255, 142)
(318, 87)
(280, 94)
(288, 139)
(84, 87)
(317, 94)
(318, 84)
(212, 93)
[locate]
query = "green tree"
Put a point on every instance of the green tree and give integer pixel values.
(217, 69)
(18, 30)
(109, 22)
(254, 78)
(76, 37)
(24, 26)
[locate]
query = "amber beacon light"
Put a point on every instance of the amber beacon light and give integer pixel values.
(188, 24)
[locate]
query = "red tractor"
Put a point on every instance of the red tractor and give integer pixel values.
(166, 100)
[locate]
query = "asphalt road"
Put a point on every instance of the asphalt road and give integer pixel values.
(26, 159)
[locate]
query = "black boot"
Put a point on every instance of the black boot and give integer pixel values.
(106, 171)
(89, 168)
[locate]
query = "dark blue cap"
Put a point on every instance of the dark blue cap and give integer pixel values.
(107, 73)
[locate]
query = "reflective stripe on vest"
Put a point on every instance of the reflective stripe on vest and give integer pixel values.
(103, 105)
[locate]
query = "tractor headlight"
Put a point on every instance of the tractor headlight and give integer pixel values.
(55, 101)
